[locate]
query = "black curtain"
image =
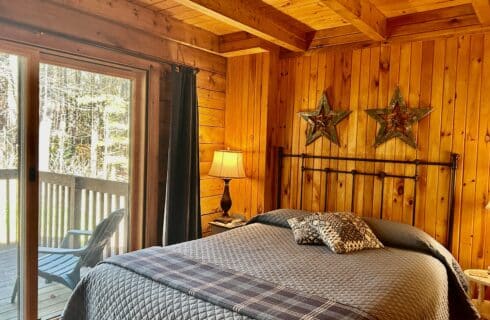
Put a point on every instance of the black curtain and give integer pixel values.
(182, 216)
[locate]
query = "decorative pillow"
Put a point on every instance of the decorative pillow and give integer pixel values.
(303, 232)
(345, 232)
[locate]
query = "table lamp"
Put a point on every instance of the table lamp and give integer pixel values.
(227, 165)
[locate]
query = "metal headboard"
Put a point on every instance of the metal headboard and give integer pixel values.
(452, 164)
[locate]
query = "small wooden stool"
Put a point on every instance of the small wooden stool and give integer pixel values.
(481, 279)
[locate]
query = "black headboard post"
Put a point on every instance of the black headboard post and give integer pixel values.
(452, 193)
(280, 155)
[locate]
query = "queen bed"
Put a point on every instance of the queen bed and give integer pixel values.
(259, 272)
(413, 277)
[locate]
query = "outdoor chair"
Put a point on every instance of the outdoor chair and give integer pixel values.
(63, 264)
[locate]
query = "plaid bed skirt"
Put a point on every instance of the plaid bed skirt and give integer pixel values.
(239, 292)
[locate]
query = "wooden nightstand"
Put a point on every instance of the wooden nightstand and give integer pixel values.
(481, 279)
(218, 227)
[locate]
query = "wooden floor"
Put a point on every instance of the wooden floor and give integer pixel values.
(52, 297)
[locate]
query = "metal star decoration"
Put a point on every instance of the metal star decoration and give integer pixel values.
(322, 121)
(396, 120)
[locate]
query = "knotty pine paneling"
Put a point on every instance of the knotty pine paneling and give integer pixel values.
(246, 128)
(451, 75)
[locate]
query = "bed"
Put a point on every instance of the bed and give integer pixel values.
(259, 272)
(418, 280)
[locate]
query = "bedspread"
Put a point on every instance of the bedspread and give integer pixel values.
(389, 283)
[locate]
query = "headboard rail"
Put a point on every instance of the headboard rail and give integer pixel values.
(452, 164)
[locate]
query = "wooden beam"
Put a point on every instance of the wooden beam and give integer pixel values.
(482, 10)
(250, 16)
(337, 36)
(362, 14)
(156, 23)
(243, 43)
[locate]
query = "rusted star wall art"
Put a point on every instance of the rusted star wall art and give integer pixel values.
(322, 121)
(396, 120)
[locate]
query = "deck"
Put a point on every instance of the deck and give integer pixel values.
(65, 202)
(52, 297)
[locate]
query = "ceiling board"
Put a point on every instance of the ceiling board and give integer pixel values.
(393, 8)
(312, 13)
(188, 15)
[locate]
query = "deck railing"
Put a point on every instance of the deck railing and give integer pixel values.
(65, 202)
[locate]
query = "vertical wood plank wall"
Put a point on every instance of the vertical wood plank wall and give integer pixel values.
(451, 75)
(246, 128)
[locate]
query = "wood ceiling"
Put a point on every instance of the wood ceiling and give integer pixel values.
(299, 25)
(234, 27)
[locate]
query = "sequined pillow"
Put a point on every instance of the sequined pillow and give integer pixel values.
(344, 232)
(303, 232)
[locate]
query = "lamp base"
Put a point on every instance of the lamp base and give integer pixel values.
(225, 203)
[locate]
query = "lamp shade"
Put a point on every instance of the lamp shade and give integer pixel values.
(227, 164)
(488, 206)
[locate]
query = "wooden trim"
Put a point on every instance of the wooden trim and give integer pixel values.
(362, 14)
(482, 10)
(138, 163)
(156, 23)
(247, 15)
(30, 188)
(152, 160)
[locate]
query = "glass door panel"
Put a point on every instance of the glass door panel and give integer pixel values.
(84, 165)
(10, 214)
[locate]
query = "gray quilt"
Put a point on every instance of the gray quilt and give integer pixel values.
(387, 283)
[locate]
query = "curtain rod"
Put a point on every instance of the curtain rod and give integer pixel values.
(88, 42)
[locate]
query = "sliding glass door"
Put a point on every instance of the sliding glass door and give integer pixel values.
(72, 173)
(84, 173)
(10, 213)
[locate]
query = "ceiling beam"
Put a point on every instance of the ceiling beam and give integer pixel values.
(482, 10)
(338, 36)
(243, 43)
(250, 16)
(362, 14)
(165, 26)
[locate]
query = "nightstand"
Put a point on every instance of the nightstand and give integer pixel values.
(481, 279)
(218, 227)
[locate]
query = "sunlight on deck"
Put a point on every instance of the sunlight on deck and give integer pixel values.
(52, 296)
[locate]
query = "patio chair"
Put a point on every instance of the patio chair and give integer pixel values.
(62, 265)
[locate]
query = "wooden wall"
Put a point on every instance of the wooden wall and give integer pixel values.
(246, 123)
(450, 75)
(211, 89)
